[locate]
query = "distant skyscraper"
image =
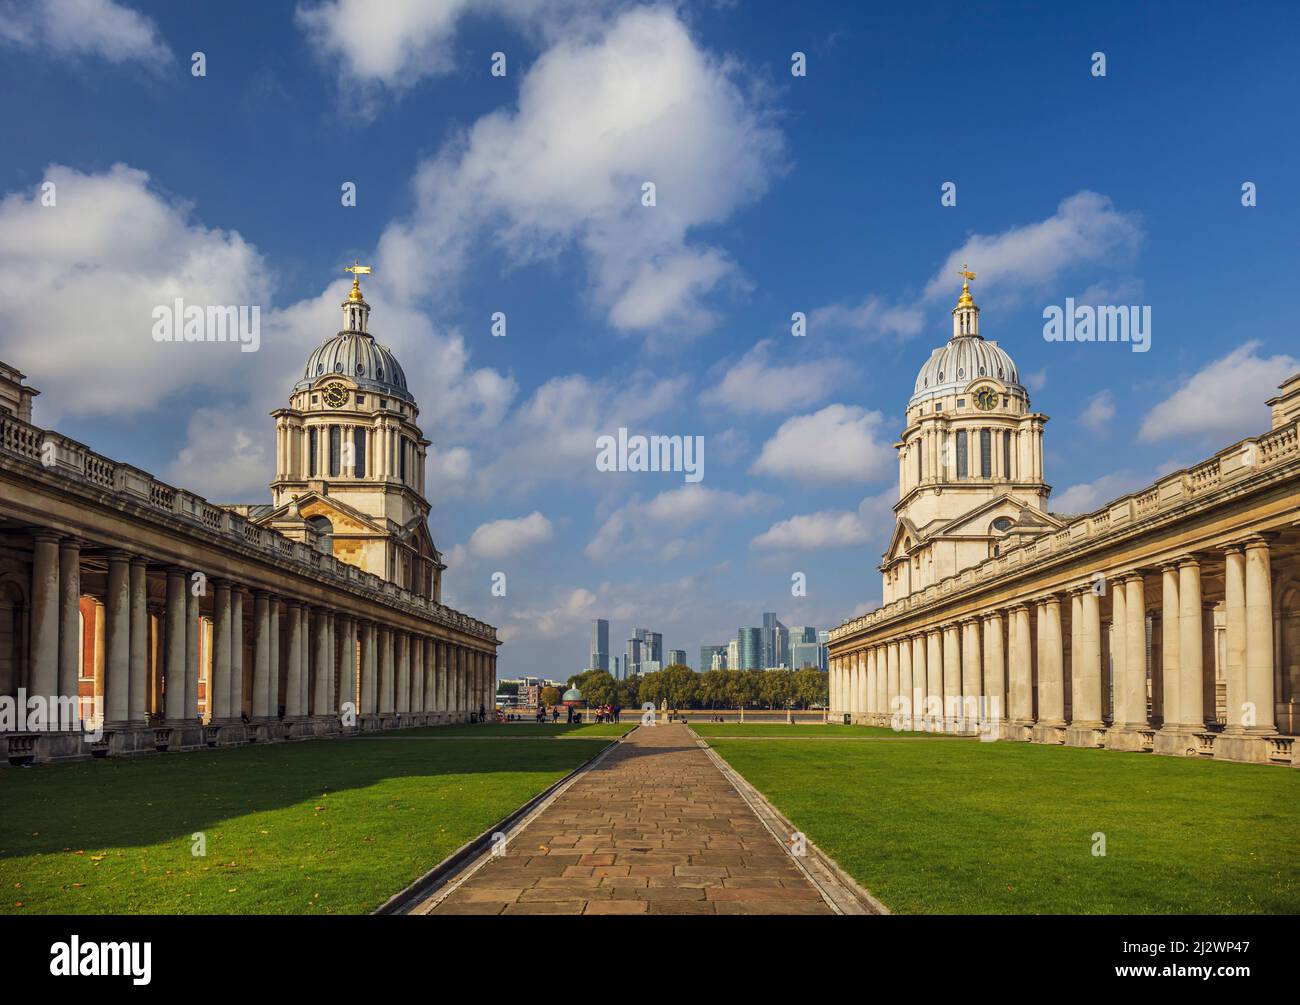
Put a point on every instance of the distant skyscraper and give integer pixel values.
(751, 648)
(644, 646)
(733, 654)
(599, 644)
(677, 657)
(711, 657)
(776, 642)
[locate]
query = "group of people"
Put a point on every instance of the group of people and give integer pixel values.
(608, 713)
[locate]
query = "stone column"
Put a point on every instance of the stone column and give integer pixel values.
(236, 653)
(364, 647)
(69, 628)
(347, 696)
(918, 681)
(1234, 604)
(1175, 737)
(219, 683)
(402, 647)
(136, 712)
(892, 687)
(1020, 688)
(320, 702)
(261, 655)
(430, 676)
(1085, 672)
(304, 660)
(903, 705)
(972, 674)
(1118, 658)
(869, 658)
(44, 630)
(934, 680)
(192, 629)
(174, 681)
(117, 640)
(271, 694)
(995, 674)
(1051, 672)
(385, 671)
(417, 674)
(1252, 719)
(1135, 656)
(1259, 636)
(882, 685)
(951, 679)
(293, 677)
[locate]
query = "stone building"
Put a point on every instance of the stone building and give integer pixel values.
(136, 616)
(1167, 620)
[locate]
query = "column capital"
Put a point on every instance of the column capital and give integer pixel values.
(42, 534)
(1017, 607)
(1260, 540)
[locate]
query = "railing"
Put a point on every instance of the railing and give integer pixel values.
(1251, 456)
(67, 458)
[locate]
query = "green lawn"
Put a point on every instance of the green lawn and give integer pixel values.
(320, 827)
(560, 730)
(937, 825)
(781, 729)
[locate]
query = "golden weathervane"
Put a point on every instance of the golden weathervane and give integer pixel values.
(357, 271)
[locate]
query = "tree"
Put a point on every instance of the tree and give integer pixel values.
(712, 689)
(810, 687)
(651, 688)
(507, 687)
(679, 685)
(777, 688)
(550, 695)
(598, 687)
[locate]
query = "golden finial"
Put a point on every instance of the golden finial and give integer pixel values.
(357, 271)
(966, 276)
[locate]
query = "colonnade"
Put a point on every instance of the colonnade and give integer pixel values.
(1120, 659)
(272, 666)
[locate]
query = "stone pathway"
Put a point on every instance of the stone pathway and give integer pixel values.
(654, 828)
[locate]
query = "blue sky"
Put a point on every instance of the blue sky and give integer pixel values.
(775, 194)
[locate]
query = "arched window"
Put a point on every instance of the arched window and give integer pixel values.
(1001, 525)
(322, 526)
(962, 465)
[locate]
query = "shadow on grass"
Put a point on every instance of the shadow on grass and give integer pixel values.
(141, 801)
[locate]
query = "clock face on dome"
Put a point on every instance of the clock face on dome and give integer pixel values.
(986, 398)
(336, 395)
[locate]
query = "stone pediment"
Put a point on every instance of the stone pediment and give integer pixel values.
(345, 519)
(975, 523)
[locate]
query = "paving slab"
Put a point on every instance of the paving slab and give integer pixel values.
(653, 828)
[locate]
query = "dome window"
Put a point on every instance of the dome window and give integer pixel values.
(361, 369)
(338, 367)
(940, 376)
(981, 371)
(961, 373)
(999, 372)
(379, 373)
(320, 368)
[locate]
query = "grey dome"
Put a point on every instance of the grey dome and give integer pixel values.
(953, 366)
(358, 356)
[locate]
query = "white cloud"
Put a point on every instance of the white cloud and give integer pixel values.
(648, 527)
(598, 115)
(84, 27)
(1099, 411)
(92, 268)
(826, 529)
(754, 384)
(396, 43)
(224, 463)
(873, 519)
(872, 316)
(502, 538)
(1222, 402)
(1089, 496)
(1085, 229)
(840, 443)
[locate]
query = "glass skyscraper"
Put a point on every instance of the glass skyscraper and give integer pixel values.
(599, 644)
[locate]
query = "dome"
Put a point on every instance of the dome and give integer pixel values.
(359, 356)
(573, 694)
(951, 367)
